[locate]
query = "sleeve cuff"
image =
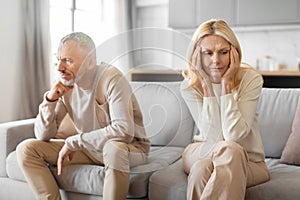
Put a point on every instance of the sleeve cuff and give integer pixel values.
(46, 98)
(72, 142)
(225, 99)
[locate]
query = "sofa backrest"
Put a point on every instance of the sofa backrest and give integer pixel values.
(166, 117)
(168, 121)
(276, 113)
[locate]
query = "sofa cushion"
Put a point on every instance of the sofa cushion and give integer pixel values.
(166, 117)
(88, 179)
(12, 168)
(276, 118)
(284, 183)
(171, 183)
(291, 151)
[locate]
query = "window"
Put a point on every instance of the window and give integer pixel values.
(67, 16)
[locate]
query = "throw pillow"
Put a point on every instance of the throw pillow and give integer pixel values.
(66, 128)
(291, 151)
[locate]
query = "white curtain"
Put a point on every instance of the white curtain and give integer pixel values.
(117, 18)
(35, 48)
(117, 15)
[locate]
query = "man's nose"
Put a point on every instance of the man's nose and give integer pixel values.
(60, 66)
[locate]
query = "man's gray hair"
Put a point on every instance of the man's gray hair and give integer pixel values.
(83, 40)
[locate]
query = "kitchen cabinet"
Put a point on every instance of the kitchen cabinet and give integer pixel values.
(281, 79)
(208, 9)
(182, 14)
(267, 12)
(190, 13)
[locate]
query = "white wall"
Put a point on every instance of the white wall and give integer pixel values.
(281, 42)
(9, 57)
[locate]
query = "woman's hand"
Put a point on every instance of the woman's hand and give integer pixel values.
(197, 68)
(228, 77)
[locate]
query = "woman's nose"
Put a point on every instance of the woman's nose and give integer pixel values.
(215, 58)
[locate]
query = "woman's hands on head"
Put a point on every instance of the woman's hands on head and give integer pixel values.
(214, 60)
(228, 77)
(197, 68)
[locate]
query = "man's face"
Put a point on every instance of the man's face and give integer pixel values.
(70, 57)
(215, 56)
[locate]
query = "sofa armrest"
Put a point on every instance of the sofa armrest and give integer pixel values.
(11, 134)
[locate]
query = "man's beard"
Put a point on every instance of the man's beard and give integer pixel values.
(65, 82)
(68, 83)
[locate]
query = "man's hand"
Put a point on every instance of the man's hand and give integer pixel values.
(64, 153)
(57, 91)
(228, 77)
(197, 68)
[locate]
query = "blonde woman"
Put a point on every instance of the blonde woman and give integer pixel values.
(222, 95)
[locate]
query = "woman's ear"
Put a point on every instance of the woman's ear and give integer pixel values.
(230, 54)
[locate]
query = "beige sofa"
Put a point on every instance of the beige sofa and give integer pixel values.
(170, 128)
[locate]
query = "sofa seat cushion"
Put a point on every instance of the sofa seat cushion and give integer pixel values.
(171, 183)
(88, 179)
(284, 183)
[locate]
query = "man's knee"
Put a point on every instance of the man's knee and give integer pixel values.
(115, 147)
(26, 146)
(115, 155)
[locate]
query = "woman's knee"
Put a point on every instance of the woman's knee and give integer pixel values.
(202, 167)
(230, 147)
(190, 156)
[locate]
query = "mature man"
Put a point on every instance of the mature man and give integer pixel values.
(106, 117)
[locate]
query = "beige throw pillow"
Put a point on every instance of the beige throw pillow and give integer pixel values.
(291, 151)
(66, 128)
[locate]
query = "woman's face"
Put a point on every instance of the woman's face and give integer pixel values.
(215, 56)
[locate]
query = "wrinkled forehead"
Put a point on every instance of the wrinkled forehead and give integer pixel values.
(71, 48)
(213, 41)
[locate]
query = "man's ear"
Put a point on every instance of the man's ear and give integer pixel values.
(91, 61)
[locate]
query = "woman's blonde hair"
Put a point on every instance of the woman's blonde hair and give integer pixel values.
(210, 27)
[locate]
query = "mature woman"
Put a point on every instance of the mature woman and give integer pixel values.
(222, 95)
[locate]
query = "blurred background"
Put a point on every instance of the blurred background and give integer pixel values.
(137, 36)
